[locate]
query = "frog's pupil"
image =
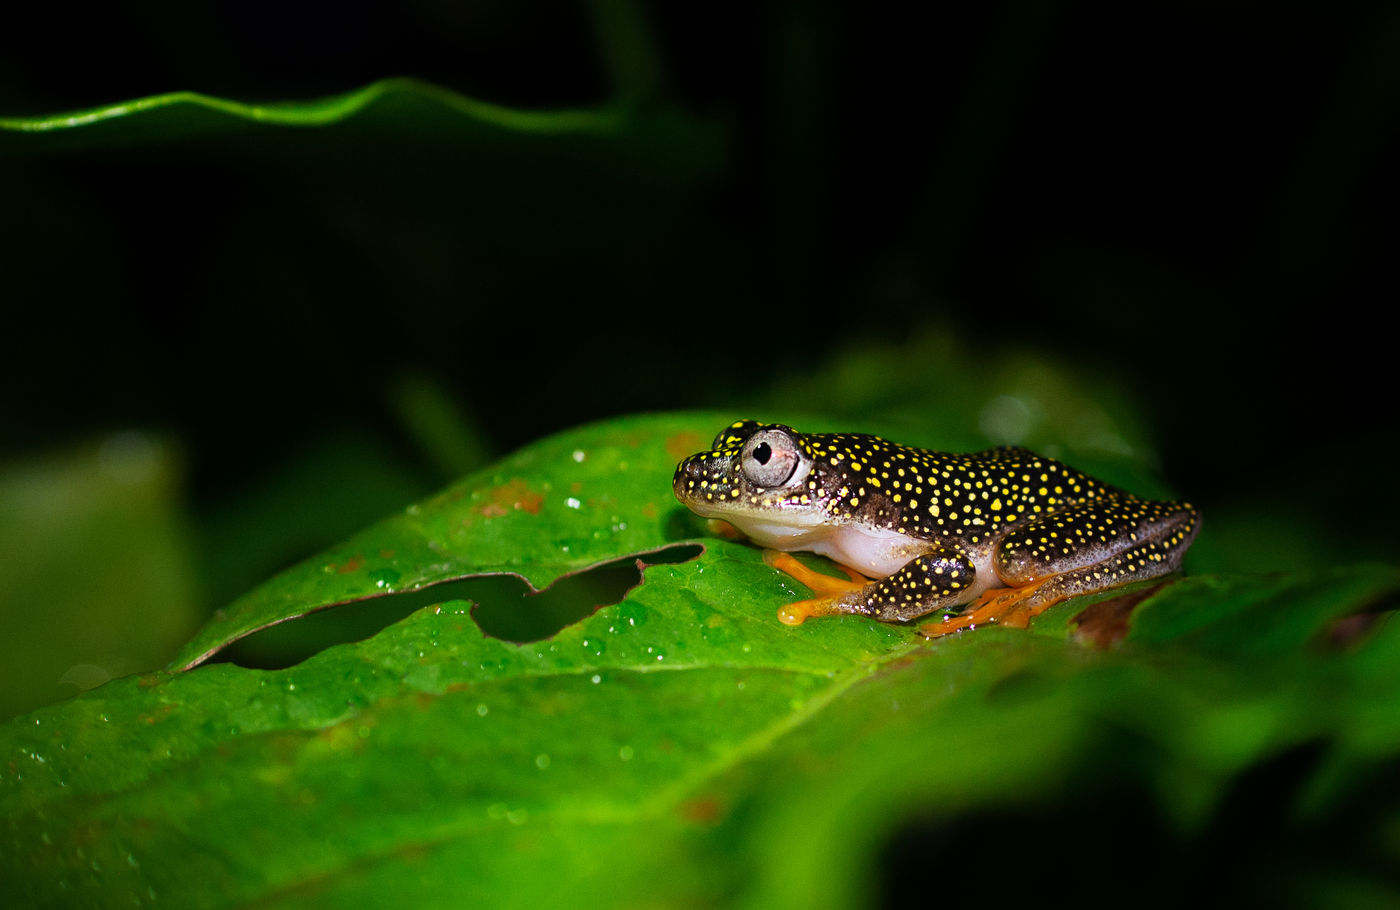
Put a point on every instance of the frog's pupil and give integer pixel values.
(762, 452)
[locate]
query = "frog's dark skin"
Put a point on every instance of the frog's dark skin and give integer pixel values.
(935, 531)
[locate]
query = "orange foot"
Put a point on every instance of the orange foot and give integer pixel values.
(827, 587)
(1004, 606)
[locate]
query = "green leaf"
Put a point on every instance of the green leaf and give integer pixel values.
(411, 100)
(679, 746)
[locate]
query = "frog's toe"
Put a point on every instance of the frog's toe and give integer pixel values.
(830, 590)
(1013, 607)
(798, 612)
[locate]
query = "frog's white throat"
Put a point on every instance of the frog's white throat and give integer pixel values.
(873, 552)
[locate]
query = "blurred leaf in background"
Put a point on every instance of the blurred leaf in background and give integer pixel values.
(100, 577)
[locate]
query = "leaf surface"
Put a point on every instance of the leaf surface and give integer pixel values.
(678, 746)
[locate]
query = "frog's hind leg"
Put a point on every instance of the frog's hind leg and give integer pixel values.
(1014, 607)
(1081, 550)
(827, 588)
(926, 583)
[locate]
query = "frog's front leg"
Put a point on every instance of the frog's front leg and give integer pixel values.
(1080, 550)
(939, 579)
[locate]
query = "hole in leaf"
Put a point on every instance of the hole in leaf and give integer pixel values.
(504, 608)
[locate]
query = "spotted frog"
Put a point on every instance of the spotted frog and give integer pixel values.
(994, 536)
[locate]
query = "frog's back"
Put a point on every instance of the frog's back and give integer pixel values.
(933, 495)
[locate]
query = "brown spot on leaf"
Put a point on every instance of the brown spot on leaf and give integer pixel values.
(353, 564)
(1105, 623)
(1348, 630)
(1352, 630)
(682, 445)
(155, 716)
(510, 496)
(702, 810)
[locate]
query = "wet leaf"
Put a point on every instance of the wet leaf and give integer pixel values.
(680, 746)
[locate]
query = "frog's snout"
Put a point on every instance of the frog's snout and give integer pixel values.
(687, 477)
(698, 478)
(678, 480)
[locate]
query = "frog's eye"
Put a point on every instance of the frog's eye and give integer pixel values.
(772, 459)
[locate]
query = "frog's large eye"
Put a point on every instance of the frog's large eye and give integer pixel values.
(772, 459)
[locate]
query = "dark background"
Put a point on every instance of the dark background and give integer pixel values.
(1194, 202)
(1193, 205)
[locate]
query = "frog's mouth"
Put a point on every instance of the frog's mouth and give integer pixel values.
(778, 524)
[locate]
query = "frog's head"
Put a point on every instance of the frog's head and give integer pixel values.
(758, 477)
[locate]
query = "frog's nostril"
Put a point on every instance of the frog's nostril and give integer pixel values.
(689, 473)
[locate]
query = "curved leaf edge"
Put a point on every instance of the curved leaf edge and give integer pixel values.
(186, 662)
(333, 109)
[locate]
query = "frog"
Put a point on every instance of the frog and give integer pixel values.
(990, 537)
